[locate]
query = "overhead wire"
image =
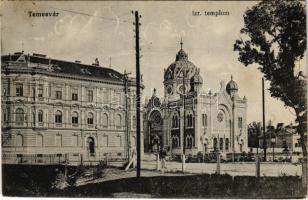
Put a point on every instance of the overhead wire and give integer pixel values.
(90, 15)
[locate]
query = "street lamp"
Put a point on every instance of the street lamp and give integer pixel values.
(273, 141)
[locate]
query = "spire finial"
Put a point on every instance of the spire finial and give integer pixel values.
(231, 77)
(181, 43)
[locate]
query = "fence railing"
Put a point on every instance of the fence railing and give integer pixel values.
(66, 158)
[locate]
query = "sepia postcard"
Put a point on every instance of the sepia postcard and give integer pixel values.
(154, 99)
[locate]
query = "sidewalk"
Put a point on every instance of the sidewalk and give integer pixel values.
(233, 169)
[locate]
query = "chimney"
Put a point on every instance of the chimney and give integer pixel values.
(96, 62)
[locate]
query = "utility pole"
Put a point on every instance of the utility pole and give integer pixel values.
(184, 120)
(126, 113)
(137, 24)
(184, 116)
(258, 157)
(232, 128)
(258, 135)
(263, 106)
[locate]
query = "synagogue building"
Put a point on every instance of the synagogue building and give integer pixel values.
(189, 117)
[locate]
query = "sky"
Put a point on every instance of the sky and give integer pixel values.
(106, 32)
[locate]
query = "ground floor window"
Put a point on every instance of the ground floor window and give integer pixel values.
(221, 144)
(175, 142)
(19, 140)
(40, 116)
(227, 144)
(189, 142)
(215, 144)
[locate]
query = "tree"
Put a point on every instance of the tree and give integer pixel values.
(274, 37)
(254, 131)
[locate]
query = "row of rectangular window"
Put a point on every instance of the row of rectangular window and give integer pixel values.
(189, 143)
(189, 121)
(74, 141)
(20, 118)
(19, 93)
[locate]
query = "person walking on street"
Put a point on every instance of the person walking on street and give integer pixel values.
(163, 154)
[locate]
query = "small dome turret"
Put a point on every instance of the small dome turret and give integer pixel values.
(231, 86)
(197, 78)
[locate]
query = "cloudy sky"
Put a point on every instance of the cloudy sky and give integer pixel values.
(108, 32)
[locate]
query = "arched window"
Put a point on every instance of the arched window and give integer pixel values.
(241, 145)
(90, 145)
(105, 120)
(189, 142)
(240, 122)
(58, 117)
(175, 142)
(134, 141)
(90, 118)
(5, 114)
(20, 115)
(189, 120)
(74, 118)
(33, 118)
(40, 116)
(19, 140)
(215, 144)
(204, 120)
(227, 144)
(39, 140)
(175, 122)
(221, 144)
(19, 90)
(118, 120)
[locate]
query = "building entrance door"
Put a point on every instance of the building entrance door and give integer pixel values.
(155, 133)
(91, 145)
(156, 142)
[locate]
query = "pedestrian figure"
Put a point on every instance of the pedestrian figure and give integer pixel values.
(162, 155)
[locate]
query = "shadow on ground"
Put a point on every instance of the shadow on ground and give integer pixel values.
(38, 181)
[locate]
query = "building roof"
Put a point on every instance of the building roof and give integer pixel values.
(66, 67)
(181, 63)
(232, 85)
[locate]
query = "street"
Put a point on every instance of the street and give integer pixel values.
(233, 169)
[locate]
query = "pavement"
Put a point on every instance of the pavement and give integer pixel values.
(234, 169)
(149, 164)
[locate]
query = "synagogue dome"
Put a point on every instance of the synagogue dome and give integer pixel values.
(180, 65)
